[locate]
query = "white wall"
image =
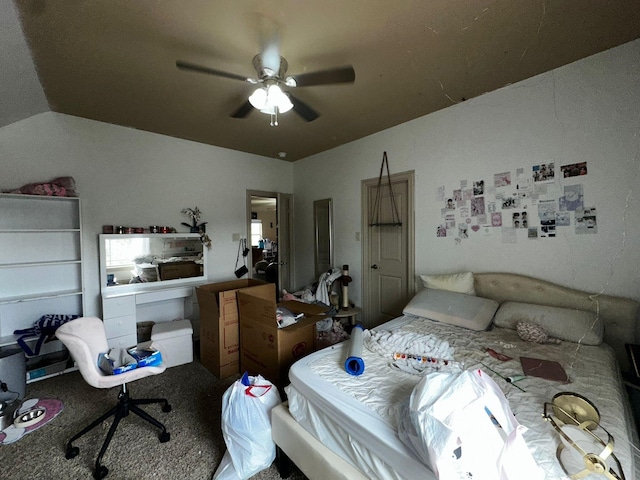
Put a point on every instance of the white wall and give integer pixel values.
(587, 111)
(135, 178)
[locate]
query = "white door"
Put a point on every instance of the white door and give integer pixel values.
(388, 252)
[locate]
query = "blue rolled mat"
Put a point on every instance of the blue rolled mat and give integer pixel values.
(354, 365)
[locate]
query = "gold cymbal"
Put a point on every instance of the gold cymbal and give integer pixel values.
(570, 407)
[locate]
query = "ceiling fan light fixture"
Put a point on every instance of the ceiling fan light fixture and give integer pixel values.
(258, 98)
(268, 99)
(279, 98)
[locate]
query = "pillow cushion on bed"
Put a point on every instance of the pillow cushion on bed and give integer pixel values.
(453, 282)
(463, 310)
(567, 324)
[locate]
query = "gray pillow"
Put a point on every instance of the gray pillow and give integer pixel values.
(578, 326)
(463, 310)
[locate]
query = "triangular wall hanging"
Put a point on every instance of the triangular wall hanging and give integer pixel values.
(375, 214)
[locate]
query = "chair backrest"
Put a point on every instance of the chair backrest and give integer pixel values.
(85, 338)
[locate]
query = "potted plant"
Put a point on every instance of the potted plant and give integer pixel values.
(196, 227)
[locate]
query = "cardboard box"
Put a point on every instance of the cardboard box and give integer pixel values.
(266, 349)
(219, 324)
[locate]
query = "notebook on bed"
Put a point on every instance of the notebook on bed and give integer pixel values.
(547, 369)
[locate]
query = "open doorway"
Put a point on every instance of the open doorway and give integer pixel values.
(263, 237)
(269, 237)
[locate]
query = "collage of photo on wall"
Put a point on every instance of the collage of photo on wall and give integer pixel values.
(534, 200)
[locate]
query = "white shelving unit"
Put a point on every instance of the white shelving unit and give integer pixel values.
(40, 262)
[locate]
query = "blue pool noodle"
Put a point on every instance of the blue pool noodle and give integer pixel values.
(354, 365)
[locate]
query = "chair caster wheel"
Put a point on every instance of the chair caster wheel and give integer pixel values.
(72, 452)
(166, 408)
(100, 472)
(165, 437)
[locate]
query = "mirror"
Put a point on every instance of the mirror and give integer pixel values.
(137, 260)
(323, 235)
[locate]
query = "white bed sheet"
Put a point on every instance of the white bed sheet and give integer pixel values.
(356, 416)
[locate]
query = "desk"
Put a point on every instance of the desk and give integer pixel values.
(350, 313)
(122, 312)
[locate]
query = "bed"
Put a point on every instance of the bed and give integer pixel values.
(337, 425)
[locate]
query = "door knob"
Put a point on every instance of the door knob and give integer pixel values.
(374, 266)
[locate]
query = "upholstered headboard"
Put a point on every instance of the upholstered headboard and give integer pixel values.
(621, 316)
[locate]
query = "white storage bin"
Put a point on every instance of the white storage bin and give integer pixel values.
(174, 340)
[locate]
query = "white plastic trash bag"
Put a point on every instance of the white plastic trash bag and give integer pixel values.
(246, 428)
(461, 425)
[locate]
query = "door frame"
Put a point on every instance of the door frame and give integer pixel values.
(409, 177)
(277, 196)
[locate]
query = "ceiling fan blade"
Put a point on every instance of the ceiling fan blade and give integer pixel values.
(182, 65)
(245, 109)
(326, 77)
(304, 110)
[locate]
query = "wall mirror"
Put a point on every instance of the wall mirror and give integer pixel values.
(323, 235)
(133, 262)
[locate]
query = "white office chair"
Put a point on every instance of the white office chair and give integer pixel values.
(86, 339)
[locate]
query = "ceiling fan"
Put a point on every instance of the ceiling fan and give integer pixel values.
(269, 96)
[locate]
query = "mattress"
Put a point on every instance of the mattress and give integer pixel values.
(356, 416)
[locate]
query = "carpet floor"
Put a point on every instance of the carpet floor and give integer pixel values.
(194, 451)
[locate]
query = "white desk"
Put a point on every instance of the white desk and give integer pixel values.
(121, 312)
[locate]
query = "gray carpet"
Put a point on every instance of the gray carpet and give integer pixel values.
(194, 451)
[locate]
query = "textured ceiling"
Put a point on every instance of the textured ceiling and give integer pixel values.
(114, 61)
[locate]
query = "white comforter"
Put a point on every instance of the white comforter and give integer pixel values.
(380, 390)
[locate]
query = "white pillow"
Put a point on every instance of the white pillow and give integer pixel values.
(568, 324)
(467, 311)
(454, 282)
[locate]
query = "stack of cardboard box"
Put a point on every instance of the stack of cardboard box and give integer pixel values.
(220, 324)
(239, 330)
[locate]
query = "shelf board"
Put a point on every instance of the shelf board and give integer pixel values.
(48, 263)
(167, 236)
(13, 340)
(39, 230)
(40, 296)
(44, 377)
(38, 197)
(8, 340)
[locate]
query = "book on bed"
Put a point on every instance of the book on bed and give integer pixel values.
(547, 369)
